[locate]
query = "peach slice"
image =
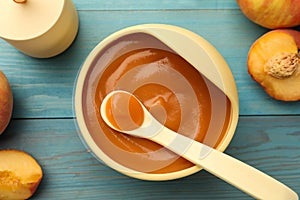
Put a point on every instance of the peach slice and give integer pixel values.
(6, 102)
(20, 175)
(274, 62)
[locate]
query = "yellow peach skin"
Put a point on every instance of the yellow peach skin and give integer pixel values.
(6, 102)
(272, 14)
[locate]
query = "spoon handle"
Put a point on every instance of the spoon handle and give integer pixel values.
(239, 174)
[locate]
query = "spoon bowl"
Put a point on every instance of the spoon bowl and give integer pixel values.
(246, 178)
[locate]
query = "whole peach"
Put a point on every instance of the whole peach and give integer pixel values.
(272, 14)
(6, 102)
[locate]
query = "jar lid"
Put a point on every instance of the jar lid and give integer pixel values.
(22, 20)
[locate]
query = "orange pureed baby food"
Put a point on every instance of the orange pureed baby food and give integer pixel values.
(124, 112)
(174, 92)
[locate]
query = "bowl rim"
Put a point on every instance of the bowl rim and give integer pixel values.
(229, 89)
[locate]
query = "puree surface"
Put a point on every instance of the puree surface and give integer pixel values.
(174, 92)
(124, 112)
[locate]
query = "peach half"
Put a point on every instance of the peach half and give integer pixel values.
(274, 62)
(272, 14)
(20, 175)
(6, 102)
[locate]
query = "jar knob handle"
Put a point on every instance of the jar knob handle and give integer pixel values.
(20, 1)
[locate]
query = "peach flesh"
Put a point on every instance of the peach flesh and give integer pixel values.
(20, 175)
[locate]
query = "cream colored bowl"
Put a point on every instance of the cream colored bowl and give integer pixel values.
(190, 46)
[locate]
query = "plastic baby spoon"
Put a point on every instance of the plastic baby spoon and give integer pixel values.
(123, 112)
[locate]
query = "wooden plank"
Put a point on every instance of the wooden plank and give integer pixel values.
(70, 172)
(154, 4)
(43, 88)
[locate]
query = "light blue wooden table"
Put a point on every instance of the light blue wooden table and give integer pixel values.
(267, 136)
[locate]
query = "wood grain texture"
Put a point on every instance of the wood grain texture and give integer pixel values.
(154, 4)
(267, 136)
(71, 172)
